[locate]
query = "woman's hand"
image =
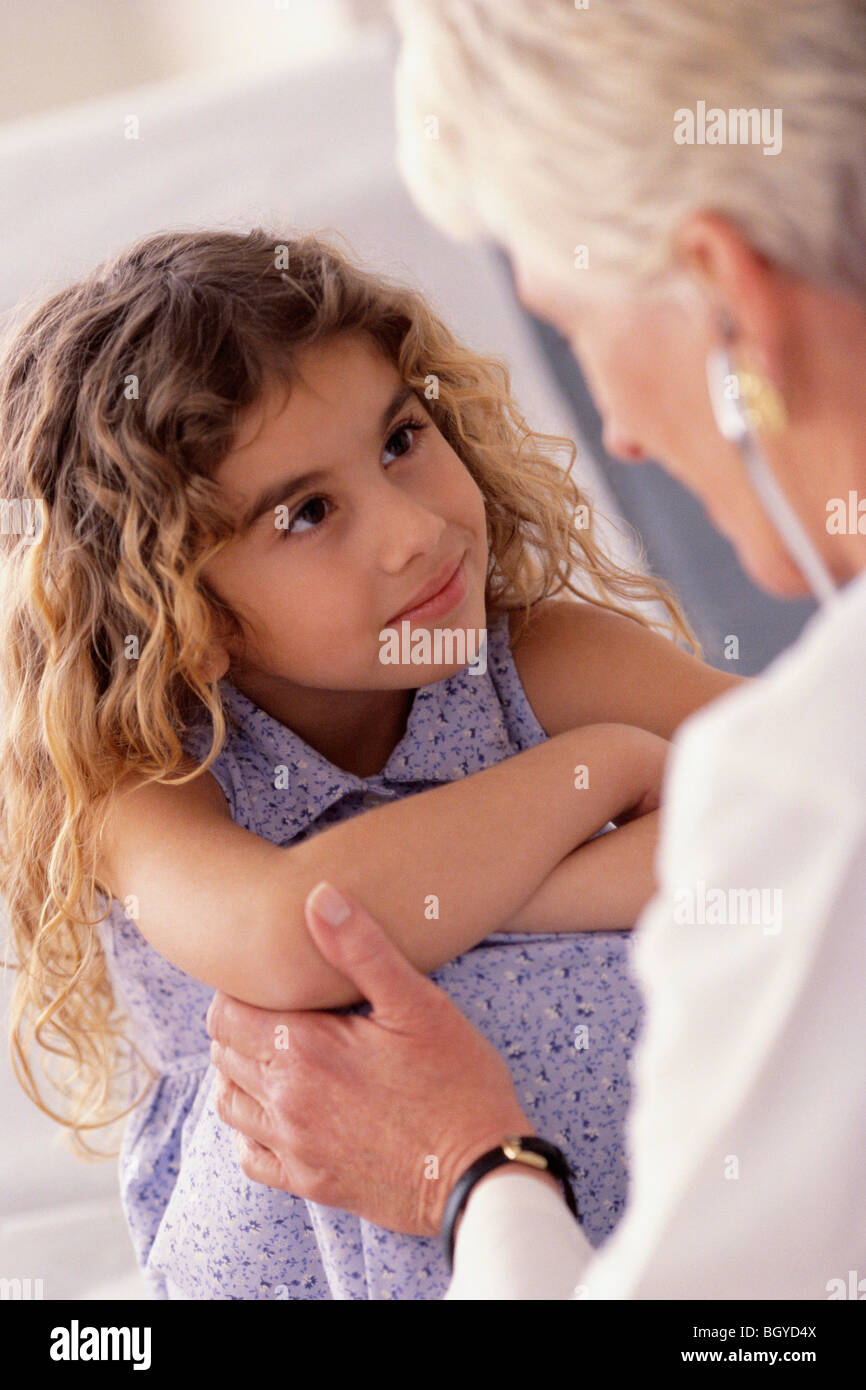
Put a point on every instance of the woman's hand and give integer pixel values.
(376, 1115)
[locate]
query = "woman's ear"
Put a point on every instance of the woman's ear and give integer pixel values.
(743, 288)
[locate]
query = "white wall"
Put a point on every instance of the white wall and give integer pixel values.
(55, 53)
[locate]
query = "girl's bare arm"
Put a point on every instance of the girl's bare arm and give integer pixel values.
(441, 869)
(602, 886)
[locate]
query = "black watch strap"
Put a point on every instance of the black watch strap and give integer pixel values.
(527, 1149)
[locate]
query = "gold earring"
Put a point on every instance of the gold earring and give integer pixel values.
(763, 403)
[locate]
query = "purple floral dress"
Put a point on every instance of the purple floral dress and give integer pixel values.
(563, 1010)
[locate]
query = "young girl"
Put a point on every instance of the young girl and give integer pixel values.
(251, 461)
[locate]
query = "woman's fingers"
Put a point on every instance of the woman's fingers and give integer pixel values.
(246, 1071)
(260, 1164)
(242, 1111)
(242, 1026)
(358, 947)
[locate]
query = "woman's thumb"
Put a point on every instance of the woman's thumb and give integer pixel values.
(356, 945)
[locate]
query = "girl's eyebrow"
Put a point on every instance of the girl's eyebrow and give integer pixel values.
(287, 488)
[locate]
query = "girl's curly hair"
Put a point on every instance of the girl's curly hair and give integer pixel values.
(119, 397)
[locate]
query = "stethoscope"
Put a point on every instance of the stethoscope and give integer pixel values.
(732, 419)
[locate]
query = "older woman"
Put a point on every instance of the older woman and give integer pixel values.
(682, 188)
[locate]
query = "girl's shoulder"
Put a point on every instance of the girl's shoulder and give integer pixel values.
(581, 663)
(135, 801)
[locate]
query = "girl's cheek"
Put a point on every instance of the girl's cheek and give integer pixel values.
(463, 487)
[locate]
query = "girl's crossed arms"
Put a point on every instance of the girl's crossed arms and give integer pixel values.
(227, 906)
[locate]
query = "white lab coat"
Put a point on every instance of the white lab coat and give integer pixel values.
(747, 1138)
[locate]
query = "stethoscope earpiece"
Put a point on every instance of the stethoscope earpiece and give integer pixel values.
(725, 396)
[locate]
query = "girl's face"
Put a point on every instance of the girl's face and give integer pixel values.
(325, 563)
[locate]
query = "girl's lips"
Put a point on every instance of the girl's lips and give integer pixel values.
(447, 598)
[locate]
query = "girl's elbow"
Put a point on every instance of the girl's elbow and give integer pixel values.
(291, 974)
(302, 979)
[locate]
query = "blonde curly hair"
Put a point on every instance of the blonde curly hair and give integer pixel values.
(202, 322)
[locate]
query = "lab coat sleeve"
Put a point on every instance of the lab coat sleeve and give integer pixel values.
(518, 1240)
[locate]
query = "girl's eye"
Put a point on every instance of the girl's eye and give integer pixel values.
(412, 426)
(309, 505)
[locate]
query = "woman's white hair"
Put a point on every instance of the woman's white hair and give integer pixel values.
(550, 124)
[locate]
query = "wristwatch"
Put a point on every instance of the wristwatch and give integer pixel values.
(527, 1149)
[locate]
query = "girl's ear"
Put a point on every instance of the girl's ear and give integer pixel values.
(215, 664)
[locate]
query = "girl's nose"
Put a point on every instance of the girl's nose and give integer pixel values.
(406, 529)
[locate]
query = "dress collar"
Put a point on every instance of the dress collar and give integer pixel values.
(456, 726)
